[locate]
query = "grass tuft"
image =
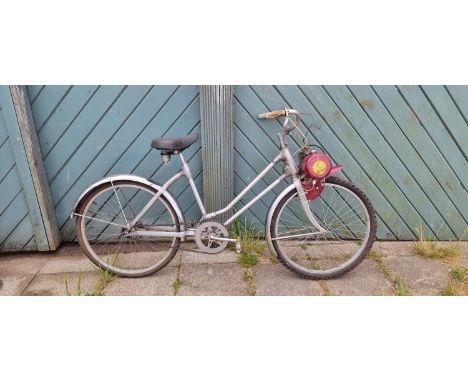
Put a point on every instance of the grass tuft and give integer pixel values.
(249, 236)
(248, 260)
(78, 291)
(176, 285)
(430, 249)
(457, 285)
(105, 278)
(459, 274)
(251, 248)
(248, 277)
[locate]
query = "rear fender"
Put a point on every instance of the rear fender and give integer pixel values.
(133, 178)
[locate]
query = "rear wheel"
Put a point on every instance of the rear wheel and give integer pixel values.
(102, 224)
(347, 215)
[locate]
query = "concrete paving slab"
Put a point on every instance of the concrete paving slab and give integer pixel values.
(393, 247)
(18, 265)
(65, 263)
(159, 284)
(225, 257)
(54, 284)
(423, 277)
(462, 261)
(364, 280)
(14, 285)
(211, 280)
(276, 280)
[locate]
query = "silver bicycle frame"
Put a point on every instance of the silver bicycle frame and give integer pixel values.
(290, 169)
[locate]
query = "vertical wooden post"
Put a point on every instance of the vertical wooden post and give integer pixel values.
(36, 165)
(216, 107)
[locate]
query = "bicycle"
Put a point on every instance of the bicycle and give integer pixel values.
(319, 226)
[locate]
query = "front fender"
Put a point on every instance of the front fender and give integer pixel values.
(133, 178)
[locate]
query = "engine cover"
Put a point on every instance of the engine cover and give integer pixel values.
(312, 190)
(316, 166)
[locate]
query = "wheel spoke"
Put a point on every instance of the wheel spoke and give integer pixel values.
(344, 215)
(102, 224)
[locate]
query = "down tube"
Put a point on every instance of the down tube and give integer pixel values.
(259, 196)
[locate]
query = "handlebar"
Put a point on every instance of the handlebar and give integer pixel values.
(273, 114)
(283, 113)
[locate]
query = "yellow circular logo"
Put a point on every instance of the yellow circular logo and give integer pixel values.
(319, 167)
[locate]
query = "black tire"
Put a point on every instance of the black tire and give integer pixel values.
(112, 269)
(329, 274)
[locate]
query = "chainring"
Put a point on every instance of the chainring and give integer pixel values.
(205, 243)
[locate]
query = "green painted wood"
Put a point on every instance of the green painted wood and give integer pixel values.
(21, 222)
(404, 146)
(36, 164)
(88, 132)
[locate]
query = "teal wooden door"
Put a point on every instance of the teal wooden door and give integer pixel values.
(88, 132)
(405, 146)
(22, 226)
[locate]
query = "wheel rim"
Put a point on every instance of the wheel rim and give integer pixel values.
(104, 219)
(339, 210)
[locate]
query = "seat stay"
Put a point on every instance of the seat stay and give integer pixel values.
(153, 200)
(185, 171)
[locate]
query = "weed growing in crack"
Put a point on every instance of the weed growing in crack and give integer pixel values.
(457, 285)
(105, 278)
(397, 281)
(176, 285)
(430, 249)
(251, 248)
(78, 291)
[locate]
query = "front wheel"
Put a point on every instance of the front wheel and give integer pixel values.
(350, 223)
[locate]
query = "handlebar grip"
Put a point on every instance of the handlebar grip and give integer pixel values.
(272, 114)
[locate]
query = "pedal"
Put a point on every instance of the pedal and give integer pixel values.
(238, 246)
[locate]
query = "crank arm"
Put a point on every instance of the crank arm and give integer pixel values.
(238, 244)
(216, 238)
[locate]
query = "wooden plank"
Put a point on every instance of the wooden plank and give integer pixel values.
(334, 140)
(425, 147)
(122, 124)
(48, 100)
(456, 163)
(36, 165)
(34, 91)
(11, 186)
(61, 120)
(416, 207)
(6, 159)
(451, 104)
(22, 165)
(18, 229)
(429, 195)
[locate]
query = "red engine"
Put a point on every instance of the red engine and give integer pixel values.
(316, 167)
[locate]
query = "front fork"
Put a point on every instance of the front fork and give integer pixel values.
(305, 204)
(292, 170)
